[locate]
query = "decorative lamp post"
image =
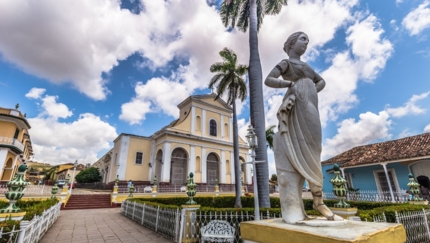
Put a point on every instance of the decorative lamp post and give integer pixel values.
(414, 188)
(73, 177)
(15, 190)
(191, 190)
(253, 143)
(67, 178)
(131, 190)
(339, 188)
(242, 184)
(54, 190)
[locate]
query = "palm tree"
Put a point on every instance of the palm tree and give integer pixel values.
(228, 77)
(244, 13)
(270, 132)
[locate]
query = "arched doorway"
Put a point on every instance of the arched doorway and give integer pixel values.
(212, 168)
(178, 169)
(158, 164)
(7, 170)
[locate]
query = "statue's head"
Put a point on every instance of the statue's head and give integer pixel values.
(292, 39)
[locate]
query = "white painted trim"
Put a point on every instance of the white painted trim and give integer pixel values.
(413, 163)
(222, 126)
(199, 144)
(393, 173)
(152, 161)
(203, 123)
(232, 167)
(192, 161)
(203, 167)
(193, 119)
(222, 167)
(351, 183)
(231, 129)
(386, 162)
(214, 111)
(165, 172)
(122, 157)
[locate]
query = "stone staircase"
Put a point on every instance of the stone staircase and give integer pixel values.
(88, 201)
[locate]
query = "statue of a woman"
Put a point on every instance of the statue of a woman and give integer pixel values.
(297, 144)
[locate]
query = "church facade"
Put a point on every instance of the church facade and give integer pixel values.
(199, 141)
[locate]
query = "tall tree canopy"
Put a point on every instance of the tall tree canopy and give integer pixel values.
(228, 78)
(249, 14)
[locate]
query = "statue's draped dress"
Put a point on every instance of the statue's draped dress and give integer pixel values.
(299, 124)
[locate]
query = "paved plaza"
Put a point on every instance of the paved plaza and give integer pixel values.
(97, 226)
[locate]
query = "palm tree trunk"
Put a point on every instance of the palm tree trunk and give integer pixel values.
(237, 202)
(257, 108)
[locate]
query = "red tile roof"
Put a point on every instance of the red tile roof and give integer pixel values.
(404, 148)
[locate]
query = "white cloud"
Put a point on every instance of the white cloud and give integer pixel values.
(35, 93)
(427, 128)
(369, 128)
(418, 19)
(58, 142)
(409, 107)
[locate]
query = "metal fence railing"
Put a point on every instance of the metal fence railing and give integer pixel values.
(30, 189)
(372, 196)
(32, 231)
(182, 188)
(177, 225)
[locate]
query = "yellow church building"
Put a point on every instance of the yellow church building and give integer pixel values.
(199, 141)
(15, 142)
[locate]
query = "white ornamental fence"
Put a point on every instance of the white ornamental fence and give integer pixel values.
(30, 189)
(417, 224)
(32, 231)
(177, 225)
(372, 196)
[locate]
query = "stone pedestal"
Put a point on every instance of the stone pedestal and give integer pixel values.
(275, 231)
(345, 213)
(114, 194)
(190, 227)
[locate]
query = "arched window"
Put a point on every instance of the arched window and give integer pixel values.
(159, 164)
(212, 128)
(198, 123)
(227, 165)
(226, 130)
(178, 169)
(212, 168)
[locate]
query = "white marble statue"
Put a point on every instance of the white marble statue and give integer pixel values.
(297, 144)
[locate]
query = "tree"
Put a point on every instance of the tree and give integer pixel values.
(244, 14)
(228, 77)
(270, 132)
(89, 175)
(274, 178)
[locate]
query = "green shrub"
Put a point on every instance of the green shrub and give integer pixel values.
(367, 215)
(35, 207)
(7, 227)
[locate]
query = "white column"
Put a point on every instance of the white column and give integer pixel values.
(204, 123)
(3, 154)
(232, 167)
(204, 170)
(389, 182)
(122, 157)
(193, 119)
(13, 167)
(223, 169)
(231, 129)
(222, 126)
(343, 172)
(248, 179)
(152, 161)
(165, 170)
(192, 161)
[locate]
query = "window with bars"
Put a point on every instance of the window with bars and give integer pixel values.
(383, 182)
(212, 168)
(139, 158)
(212, 128)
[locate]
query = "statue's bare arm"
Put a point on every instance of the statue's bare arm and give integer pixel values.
(273, 80)
(319, 82)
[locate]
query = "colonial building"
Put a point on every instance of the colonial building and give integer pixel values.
(199, 141)
(15, 143)
(383, 166)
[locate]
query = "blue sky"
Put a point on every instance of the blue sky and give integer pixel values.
(86, 71)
